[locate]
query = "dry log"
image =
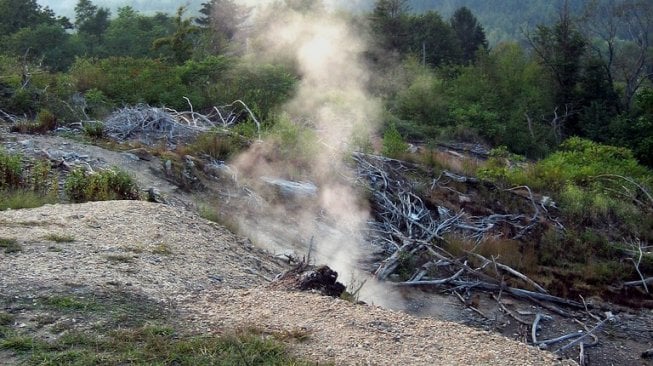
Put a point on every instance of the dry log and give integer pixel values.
(519, 293)
(292, 189)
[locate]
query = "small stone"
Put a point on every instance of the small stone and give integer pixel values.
(131, 156)
(168, 167)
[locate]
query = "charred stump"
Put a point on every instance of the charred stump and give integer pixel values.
(305, 277)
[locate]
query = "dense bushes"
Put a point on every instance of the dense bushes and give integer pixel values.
(206, 83)
(25, 184)
(602, 195)
(113, 184)
(133, 81)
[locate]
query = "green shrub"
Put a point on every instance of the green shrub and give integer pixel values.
(10, 245)
(113, 184)
(46, 120)
(94, 129)
(115, 77)
(11, 168)
(262, 87)
(580, 161)
(97, 104)
(293, 142)
(20, 198)
(218, 145)
(423, 101)
(25, 185)
(394, 145)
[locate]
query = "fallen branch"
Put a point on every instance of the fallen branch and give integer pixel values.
(631, 181)
(476, 310)
(519, 293)
(151, 124)
(10, 117)
(512, 272)
(609, 317)
(648, 281)
(510, 312)
(638, 244)
(432, 282)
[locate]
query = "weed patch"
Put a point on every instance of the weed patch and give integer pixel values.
(10, 245)
(20, 199)
(120, 258)
(121, 328)
(94, 130)
(5, 319)
(25, 184)
(60, 238)
(162, 249)
(114, 184)
(67, 303)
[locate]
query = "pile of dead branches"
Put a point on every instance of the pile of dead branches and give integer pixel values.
(151, 125)
(8, 117)
(412, 230)
(407, 227)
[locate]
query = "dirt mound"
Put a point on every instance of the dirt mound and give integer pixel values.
(212, 281)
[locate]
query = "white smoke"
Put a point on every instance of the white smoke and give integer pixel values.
(332, 99)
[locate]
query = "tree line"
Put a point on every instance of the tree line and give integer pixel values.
(588, 73)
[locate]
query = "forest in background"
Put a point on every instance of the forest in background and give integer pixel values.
(568, 110)
(503, 20)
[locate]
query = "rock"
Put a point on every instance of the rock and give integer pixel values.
(153, 195)
(323, 279)
(26, 144)
(131, 156)
(290, 189)
(168, 167)
(648, 354)
(464, 199)
(141, 153)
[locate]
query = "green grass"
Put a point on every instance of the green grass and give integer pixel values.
(150, 345)
(162, 249)
(60, 238)
(10, 245)
(5, 318)
(120, 328)
(19, 199)
(67, 303)
(120, 258)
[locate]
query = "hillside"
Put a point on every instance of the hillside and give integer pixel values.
(211, 281)
(506, 187)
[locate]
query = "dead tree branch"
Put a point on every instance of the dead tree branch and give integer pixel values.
(150, 124)
(609, 317)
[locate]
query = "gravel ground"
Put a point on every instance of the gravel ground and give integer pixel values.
(217, 281)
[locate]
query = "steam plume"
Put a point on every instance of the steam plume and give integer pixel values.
(332, 99)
